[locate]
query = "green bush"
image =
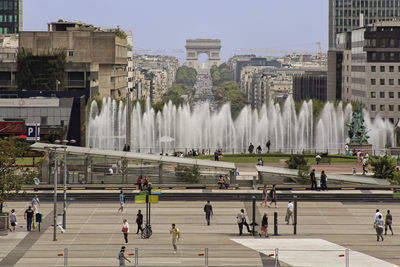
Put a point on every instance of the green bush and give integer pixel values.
(383, 167)
(296, 160)
(396, 178)
(302, 172)
(190, 175)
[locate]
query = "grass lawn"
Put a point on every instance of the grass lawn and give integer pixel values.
(25, 161)
(275, 159)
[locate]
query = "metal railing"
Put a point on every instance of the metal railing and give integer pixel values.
(196, 256)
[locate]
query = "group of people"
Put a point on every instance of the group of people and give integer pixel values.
(319, 183)
(29, 215)
(224, 182)
(259, 149)
(380, 224)
(143, 184)
(271, 196)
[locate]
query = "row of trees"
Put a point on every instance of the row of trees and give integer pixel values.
(221, 74)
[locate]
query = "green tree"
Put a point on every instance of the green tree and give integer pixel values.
(12, 177)
(220, 74)
(186, 75)
(176, 94)
(189, 175)
(230, 92)
(41, 72)
(383, 167)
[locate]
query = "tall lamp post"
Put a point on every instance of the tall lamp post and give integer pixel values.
(55, 190)
(64, 142)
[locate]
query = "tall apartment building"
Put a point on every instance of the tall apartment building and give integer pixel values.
(344, 16)
(10, 16)
(371, 68)
(96, 58)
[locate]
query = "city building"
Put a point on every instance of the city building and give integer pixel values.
(345, 16)
(153, 76)
(8, 61)
(310, 85)
(371, 68)
(96, 58)
(10, 16)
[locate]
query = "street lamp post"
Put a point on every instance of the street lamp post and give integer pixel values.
(65, 180)
(55, 195)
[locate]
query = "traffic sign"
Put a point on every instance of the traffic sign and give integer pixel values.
(33, 132)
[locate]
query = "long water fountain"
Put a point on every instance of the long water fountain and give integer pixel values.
(180, 128)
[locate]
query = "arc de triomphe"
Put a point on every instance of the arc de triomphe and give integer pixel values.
(195, 47)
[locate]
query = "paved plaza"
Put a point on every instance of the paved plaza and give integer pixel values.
(93, 236)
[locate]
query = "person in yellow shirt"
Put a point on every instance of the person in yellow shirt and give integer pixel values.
(175, 236)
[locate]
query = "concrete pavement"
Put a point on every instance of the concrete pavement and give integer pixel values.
(93, 235)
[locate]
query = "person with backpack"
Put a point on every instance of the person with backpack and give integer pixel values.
(241, 220)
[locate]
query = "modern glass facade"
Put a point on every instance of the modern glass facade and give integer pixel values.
(344, 15)
(10, 16)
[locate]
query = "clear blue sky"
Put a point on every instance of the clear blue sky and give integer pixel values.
(157, 24)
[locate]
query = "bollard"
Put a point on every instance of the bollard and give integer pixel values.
(65, 257)
(275, 223)
(347, 257)
(277, 257)
(254, 216)
(136, 257)
(295, 215)
(206, 257)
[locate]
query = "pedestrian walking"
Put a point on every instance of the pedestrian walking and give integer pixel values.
(121, 257)
(264, 226)
(28, 215)
(209, 211)
(273, 197)
(36, 203)
(324, 179)
(175, 237)
(121, 201)
(264, 196)
(139, 221)
(216, 155)
(388, 222)
(313, 180)
(377, 213)
(125, 230)
(268, 145)
(378, 224)
(289, 212)
(13, 220)
(241, 220)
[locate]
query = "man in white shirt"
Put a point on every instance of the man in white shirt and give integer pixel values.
(377, 214)
(289, 212)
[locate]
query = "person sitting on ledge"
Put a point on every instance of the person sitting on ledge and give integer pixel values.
(221, 182)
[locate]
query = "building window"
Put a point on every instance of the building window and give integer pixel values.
(382, 107)
(398, 94)
(373, 94)
(398, 107)
(391, 94)
(391, 81)
(373, 107)
(382, 81)
(373, 68)
(391, 120)
(382, 94)
(382, 68)
(391, 68)
(43, 120)
(70, 53)
(373, 57)
(373, 81)
(391, 108)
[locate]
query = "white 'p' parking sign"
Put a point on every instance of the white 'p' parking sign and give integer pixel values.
(33, 132)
